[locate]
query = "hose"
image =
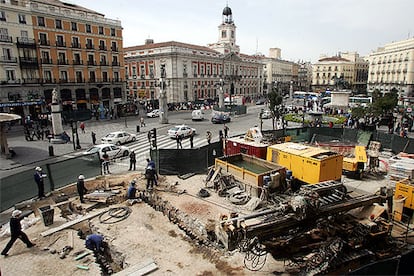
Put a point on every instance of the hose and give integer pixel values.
(115, 215)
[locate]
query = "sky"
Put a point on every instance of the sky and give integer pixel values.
(303, 29)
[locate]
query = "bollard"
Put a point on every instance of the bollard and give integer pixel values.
(137, 128)
(51, 153)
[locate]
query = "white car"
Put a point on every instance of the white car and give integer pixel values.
(112, 150)
(118, 138)
(197, 115)
(181, 130)
(154, 113)
(267, 114)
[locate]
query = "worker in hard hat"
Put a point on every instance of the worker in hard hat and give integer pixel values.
(16, 232)
(38, 177)
(81, 187)
(132, 192)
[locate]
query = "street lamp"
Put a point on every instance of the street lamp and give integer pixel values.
(163, 97)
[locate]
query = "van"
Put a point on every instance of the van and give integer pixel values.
(197, 115)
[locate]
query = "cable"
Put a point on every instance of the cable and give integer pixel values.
(119, 213)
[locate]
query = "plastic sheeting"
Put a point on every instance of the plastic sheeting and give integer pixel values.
(183, 161)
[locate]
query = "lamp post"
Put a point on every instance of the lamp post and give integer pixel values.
(163, 97)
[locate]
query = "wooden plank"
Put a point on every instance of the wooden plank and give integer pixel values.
(70, 238)
(71, 223)
(218, 170)
(143, 268)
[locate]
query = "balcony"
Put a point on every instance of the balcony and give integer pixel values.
(60, 44)
(89, 46)
(92, 80)
(4, 59)
(77, 62)
(91, 63)
(151, 75)
(24, 42)
(63, 62)
(46, 60)
(44, 42)
(6, 38)
(103, 63)
(185, 75)
(27, 62)
(102, 47)
(63, 81)
(76, 45)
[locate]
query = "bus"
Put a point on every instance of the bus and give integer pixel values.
(304, 94)
(359, 101)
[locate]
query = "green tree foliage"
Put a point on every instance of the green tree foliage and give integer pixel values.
(275, 99)
(384, 104)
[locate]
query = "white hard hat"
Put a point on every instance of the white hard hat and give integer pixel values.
(81, 177)
(39, 169)
(16, 213)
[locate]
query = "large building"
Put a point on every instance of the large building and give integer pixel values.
(193, 72)
(348, 68)
(49, 44)
(392, 68)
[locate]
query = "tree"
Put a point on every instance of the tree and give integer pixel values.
(384, 104)
(275, 99)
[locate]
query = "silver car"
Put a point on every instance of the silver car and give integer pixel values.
(118, 138)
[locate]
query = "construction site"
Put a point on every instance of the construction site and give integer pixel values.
(286, 209)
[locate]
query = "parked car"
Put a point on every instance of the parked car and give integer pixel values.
(261, 101)
(112, 150)
(220, 118)
(197, 115)
(118, 138)
(154, 113)
(267, 114)
(181, 130)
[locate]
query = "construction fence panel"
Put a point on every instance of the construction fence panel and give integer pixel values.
(20, 187)
(384, 138)
(326, 131)
(299, 134)
(184, 161)
(350, 134)
(402, 144)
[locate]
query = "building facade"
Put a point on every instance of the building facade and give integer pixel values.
(305, 76)
(193, 72)
(56, 45)
(392, 68)
(346, 69)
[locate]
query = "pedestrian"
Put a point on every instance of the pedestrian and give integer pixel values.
(38, 177)
(208, 136)
(226, 131)
(82, 127)
(221, 136)
(142, 122)
(80, 185)
(105, 163)
(151, 163)
(191, 139)
(149, 137)
(93, 134)
(179, 138)
(150, 175)
(132, 160)
(94, 242)
(16, 232)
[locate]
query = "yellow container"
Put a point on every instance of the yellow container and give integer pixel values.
(308, 164)
(405, 189)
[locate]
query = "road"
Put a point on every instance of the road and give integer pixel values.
(34, 153)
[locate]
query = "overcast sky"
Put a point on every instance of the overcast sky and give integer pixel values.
(303, 29)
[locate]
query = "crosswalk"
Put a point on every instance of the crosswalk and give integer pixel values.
(141, 147)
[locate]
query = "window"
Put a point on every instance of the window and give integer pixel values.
(102, 45)
(7, 54)
(105, 76)
(116, 76)
(223, 34)
(103, 60)
(64, 76)
(92, 77)
(76, 59)
(113, 47)
(89, 44)
(101, 30)
(43, 39)
(74, 26)
(2, 16)
(10, 75)
(47, 76)
(113, 33)
(41, 21)
(62, 58)
(75, 42)
(79, 76)
(59, 41)
(22, 19)
(45, 57)
(24, 36)
(58, 24)
(232, 34)
(114, 60)
(88, 28)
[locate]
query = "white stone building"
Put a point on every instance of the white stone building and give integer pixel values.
(392, 68)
